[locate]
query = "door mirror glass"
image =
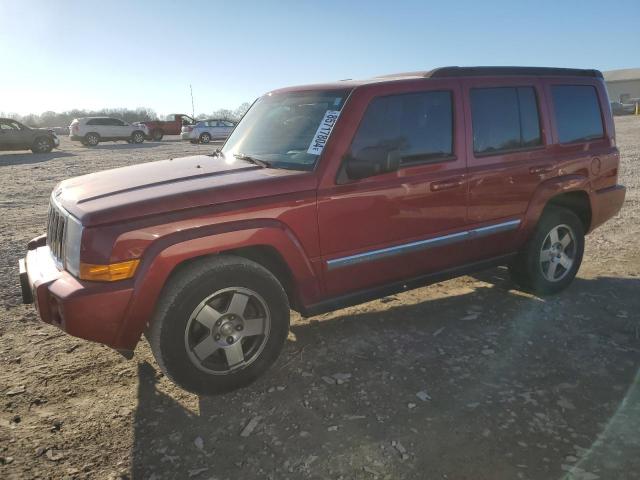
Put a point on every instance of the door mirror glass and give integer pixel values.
(371, 161)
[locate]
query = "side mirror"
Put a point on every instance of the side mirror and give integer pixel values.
(370, 162)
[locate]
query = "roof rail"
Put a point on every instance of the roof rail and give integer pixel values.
(511, 71)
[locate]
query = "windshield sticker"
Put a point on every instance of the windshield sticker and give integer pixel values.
(322, 134)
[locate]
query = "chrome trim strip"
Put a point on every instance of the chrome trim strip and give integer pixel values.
(422, 244)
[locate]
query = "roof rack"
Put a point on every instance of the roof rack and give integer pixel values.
(511, 71)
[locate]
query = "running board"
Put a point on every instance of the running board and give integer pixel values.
(374, 293)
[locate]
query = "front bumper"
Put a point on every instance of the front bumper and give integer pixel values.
(90, 310)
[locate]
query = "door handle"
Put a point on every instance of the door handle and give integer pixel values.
(537, 170)
(447, 184)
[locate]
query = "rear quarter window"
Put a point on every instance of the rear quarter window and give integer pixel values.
(577, 113)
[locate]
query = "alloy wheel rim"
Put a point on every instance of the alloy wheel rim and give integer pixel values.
(42, 145)
(558, 253)
(205, 139)
(227, 331)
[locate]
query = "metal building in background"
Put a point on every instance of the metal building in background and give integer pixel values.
(623, 85)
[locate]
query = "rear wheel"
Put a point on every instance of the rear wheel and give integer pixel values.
(220, 324)
(91, 139)
(157, 134)
(552, 257)
(137, 137)
(42, 145)
(205, 138)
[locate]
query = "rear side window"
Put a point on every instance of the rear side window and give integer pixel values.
(417, 126)
(577, 111)
(504, 118)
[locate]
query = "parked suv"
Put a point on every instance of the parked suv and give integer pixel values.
(203, 131)
(327, 196)
(93, 130)
(17, 136)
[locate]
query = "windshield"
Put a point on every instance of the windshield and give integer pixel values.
(287, 130)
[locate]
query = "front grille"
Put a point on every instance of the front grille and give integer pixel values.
(56, 225)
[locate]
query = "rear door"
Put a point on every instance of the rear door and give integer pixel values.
(508, 143)
(393, 226)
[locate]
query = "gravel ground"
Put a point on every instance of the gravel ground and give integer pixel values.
(467, 379)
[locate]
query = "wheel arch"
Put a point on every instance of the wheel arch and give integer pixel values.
(578, 202)
(569, 191)
(272, 247)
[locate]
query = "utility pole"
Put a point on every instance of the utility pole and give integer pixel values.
(193, 110)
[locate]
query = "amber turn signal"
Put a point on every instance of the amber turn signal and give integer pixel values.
(109, 273)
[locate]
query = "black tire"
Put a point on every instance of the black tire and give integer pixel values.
(157, 134)
(137, 137)
(181, 299)
(42, 145)
(531, 270)
(91, 139)
(205, 137)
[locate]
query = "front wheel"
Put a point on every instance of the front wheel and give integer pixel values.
(220, 324)
(551, 258)
(42, 145)
(137, 137)
(205, 138)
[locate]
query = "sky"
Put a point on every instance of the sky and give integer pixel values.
(64, 54)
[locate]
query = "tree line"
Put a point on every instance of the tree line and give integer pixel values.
(142, 114)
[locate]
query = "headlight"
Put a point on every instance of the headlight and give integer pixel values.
(73, 238)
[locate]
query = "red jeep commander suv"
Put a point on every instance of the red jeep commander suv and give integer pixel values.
(326, 196)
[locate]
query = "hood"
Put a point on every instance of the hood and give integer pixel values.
(172, 185)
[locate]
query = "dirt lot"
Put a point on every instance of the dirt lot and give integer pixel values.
(468, 379)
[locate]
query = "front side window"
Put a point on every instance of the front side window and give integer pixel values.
(287, 130)
(8, 126)
(577, 111)
(415, 127)
(504, 119)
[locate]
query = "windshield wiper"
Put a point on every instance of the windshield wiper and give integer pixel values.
(250, 159)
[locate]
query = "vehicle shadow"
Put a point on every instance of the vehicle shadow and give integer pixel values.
(473, 384)
(123, 146)
(26, 157)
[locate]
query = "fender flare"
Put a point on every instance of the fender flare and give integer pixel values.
(160, 261)
(545, 192)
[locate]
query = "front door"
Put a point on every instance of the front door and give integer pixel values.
(13, 136)
(402, 223)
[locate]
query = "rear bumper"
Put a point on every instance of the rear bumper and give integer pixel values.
(606, 203)
(90, 310)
